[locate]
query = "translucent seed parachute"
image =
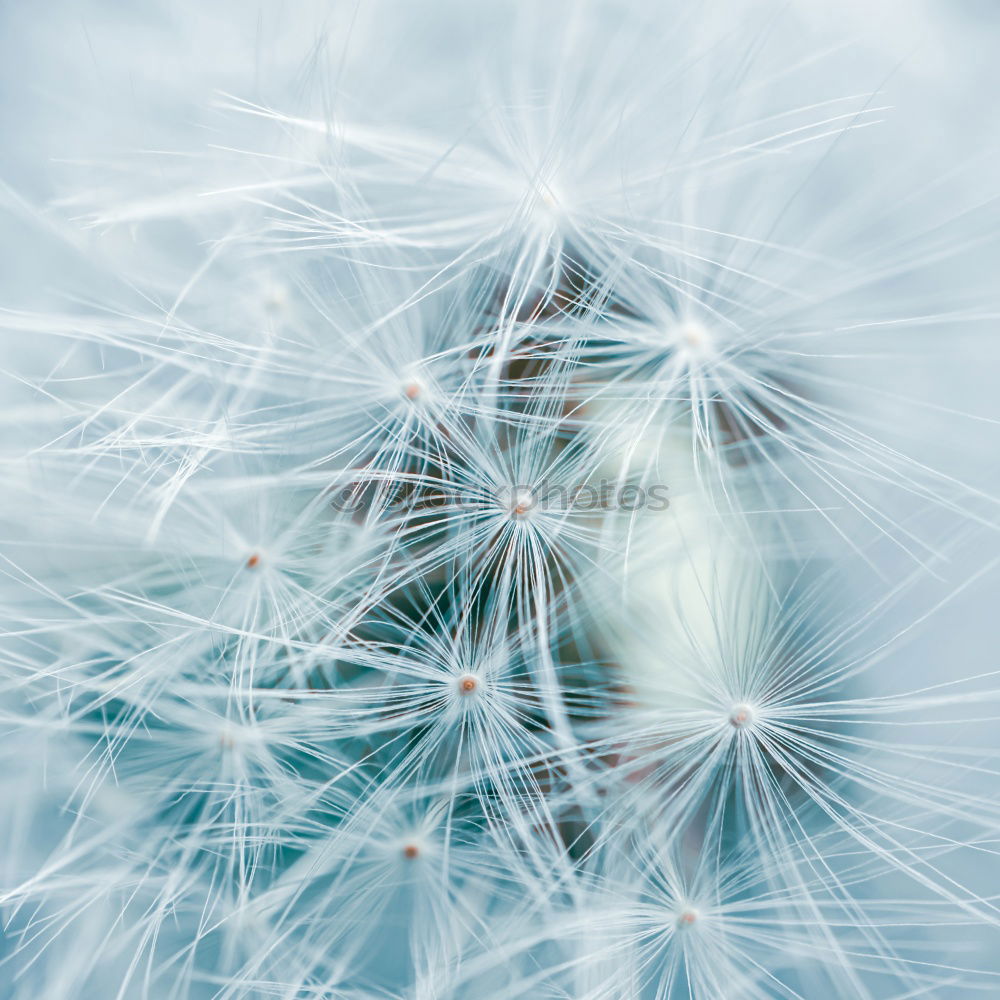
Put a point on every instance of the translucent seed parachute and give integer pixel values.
(499, 501)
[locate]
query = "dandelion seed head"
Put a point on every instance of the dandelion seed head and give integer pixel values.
(522, 503)
(414, 846)
(742, 716)
(694, 341)
(468, 685)
(291, 639)
(548, 203)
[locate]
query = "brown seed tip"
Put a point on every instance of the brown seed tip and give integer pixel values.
(411, 851)
(687, 918)
(468, 684)
(411, 390)
(253, 561)
(740, 716)
(522, 503)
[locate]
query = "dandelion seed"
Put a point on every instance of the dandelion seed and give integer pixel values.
(468, 684)
(741, 716)
(522, 503)
(694, 340)
(348, 645)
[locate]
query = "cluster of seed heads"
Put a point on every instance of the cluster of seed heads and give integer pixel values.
(309, 693)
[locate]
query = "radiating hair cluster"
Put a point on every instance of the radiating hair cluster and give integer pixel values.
(498, 503)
